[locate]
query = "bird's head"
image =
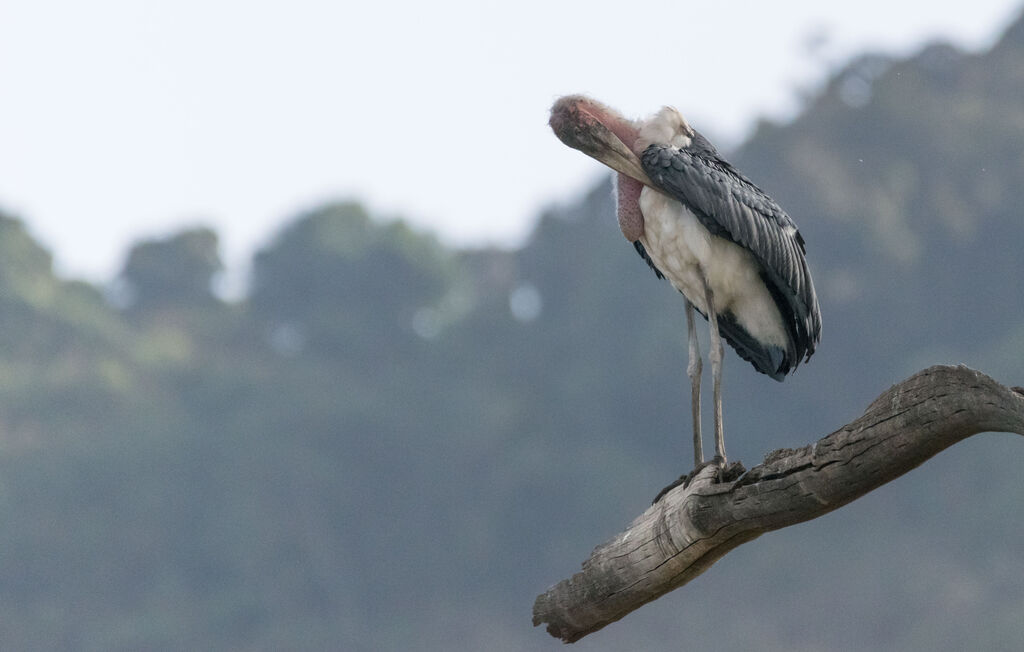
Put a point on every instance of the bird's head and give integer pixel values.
(602, 133)
(599, 132)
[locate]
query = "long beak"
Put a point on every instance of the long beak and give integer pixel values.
(598, 132)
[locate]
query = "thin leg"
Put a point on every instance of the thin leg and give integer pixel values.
(715, 355)
(693, 370)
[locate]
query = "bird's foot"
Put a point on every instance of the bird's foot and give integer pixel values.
(726, 473)
(729, 471)
(684, 480)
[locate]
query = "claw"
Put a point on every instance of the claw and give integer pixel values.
(726, 473)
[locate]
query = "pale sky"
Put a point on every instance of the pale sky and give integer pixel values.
(122, 119)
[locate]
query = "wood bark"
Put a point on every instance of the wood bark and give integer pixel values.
(693, 526)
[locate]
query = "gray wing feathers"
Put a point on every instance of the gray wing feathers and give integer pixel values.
(731, 206)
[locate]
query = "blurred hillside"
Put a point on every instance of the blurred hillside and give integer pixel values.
(393, 445)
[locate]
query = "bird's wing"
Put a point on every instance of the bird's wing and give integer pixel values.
(730, 206)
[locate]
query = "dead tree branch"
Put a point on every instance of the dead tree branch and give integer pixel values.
(692, 527)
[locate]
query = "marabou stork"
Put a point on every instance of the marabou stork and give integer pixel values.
(731, 251)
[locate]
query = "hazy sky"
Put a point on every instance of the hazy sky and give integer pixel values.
(124, 119)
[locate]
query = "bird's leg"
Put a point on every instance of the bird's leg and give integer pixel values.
(715, 355)
(693, 370)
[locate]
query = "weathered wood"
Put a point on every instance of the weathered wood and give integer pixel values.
(692, 527)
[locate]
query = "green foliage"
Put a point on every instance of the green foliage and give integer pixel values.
(174, 272)
(333, 279)
(25, 267)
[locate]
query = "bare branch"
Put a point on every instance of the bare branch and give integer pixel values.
(691, 527)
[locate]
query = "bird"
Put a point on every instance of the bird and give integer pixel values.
(733, 253)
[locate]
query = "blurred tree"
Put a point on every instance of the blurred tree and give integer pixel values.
(334, 277)
(172, 272)
(26, 269)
